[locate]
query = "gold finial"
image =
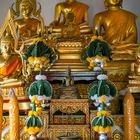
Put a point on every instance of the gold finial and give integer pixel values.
(24, 1)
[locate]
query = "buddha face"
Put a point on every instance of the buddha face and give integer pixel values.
(25, 8)
(109, 3)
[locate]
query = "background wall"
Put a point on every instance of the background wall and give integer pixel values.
(95, 7)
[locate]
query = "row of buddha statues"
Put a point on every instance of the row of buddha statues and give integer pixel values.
(116, 25)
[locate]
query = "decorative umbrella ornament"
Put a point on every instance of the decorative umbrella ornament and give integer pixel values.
(101, 91)
(96, 53)
(40, 91)
(39, 55)
(33, 123)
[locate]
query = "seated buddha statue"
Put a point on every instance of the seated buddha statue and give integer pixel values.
(10, 63)
(26, 25)
(67, 10)
(118, 28)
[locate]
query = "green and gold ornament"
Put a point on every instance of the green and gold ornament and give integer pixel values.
(39, 55)
(40, 91)
(96, 53)
(33, 123)
(101, 92)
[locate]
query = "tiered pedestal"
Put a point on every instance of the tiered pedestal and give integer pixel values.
(69, 56)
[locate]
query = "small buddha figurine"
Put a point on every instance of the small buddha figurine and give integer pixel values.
(27, 26)
(10, 62)
(71, 7)
(68, 80)
(118, 27)
(68, 89)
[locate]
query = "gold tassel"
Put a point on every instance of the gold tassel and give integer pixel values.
(14, 117)
(129, 117)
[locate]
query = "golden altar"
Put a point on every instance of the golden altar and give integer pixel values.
(67, 40)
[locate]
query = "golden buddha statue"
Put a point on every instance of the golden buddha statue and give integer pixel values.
(118, 26)
(68, 10)
(10, 63)
(27, 26)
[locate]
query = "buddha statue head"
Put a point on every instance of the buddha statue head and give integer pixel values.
(26, 8)
(110, 3)
(7, 44)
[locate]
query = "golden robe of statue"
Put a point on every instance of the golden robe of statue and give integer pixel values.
(118, 27)
(71, 9)
(71, 6)
(10, 63)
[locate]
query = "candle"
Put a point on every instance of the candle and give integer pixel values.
(14, 117)
(129, 117)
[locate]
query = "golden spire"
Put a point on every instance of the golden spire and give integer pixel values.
(26, 2)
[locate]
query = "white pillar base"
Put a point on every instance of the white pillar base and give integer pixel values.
(103, 136)
(32, 137)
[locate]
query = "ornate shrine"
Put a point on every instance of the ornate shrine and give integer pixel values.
(58, 103)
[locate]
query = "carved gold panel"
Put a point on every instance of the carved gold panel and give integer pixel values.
(82, 131)
(69, 106)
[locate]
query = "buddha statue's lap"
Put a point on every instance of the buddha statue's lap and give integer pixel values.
(70, 10)
(27, 28)
(119, 29)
